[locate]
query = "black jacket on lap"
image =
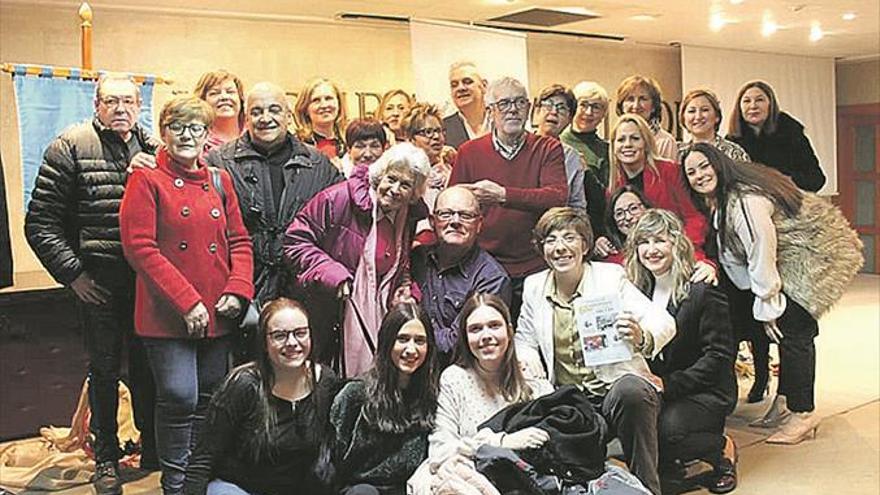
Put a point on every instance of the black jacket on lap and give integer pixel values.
(698, 361)
(787, 149)
(576, 450)
(72, 221)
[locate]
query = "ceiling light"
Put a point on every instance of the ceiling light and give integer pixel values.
(717, 22)
(736, 2)
(816, 32)
(848, 16)
(768, 26)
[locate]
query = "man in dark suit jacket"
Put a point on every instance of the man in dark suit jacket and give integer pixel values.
(467, 88)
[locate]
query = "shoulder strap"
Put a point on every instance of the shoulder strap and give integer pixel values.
(217, 181)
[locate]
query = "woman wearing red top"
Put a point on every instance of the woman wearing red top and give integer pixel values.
(194, 265)
(225, 93)
(320, 118)
(634, 162)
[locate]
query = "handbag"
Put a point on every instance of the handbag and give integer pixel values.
(250, 316)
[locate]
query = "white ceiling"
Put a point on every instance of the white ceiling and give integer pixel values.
(681, 21)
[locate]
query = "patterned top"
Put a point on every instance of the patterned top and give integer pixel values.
(733, 151)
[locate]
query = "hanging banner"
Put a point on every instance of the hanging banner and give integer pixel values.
(47, 105)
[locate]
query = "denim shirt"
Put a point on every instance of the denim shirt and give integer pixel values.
(444, 292)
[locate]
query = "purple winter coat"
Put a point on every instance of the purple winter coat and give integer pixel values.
(325, 242)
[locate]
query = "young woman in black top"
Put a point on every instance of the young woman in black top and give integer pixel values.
(264, 425)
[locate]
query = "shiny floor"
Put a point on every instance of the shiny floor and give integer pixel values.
(845, 456)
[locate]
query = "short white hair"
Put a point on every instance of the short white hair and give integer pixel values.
(590, 90)
(407, 156)
(504, 82)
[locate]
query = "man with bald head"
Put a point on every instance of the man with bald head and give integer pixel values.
(455, 267)
(274, 175)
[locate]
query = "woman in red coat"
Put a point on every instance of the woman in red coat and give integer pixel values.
(634, 162)
(194, 263)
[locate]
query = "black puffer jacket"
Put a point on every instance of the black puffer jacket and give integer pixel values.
(787, 149)
(73, 216)
(306, 173)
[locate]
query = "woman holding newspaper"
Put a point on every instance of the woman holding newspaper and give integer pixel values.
(594, 329)
(696, 367)
(350, 244)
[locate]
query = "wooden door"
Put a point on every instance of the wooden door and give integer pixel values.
(858, 175)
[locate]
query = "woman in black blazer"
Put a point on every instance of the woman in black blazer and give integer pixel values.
(699, 385)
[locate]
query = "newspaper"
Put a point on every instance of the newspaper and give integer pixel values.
(595, 318)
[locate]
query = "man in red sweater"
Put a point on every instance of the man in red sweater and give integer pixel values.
(516, 176)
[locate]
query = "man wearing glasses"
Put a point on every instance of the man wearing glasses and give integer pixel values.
(449, 271)
(72, 225)
(556, 106)
(516, 176)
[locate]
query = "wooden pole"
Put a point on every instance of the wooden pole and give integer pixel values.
(85, 15)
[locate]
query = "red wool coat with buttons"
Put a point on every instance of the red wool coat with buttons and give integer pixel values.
(185, 245)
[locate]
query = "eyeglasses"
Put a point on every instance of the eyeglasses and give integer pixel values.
(567, 239)
(516, 103)
(549, 106)
(114, 101)
(195, 130)
(464, 216)
(631, 210)
(429, 132)
(280, 337)
(595, 107)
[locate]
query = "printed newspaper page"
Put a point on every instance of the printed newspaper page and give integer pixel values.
(600, 342)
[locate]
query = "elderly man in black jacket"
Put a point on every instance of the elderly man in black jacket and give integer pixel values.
(72, 225)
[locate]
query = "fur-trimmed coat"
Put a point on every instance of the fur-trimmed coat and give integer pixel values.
(817, 252)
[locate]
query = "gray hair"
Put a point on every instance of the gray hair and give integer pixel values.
(268, 87)
(464, 63)
(116, 76)
(590, 90)
(407, 156)
(504, 82)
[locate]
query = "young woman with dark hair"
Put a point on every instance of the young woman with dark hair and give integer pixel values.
(696, 367)
(264, 424)
(746, 200)
(381, 422)
(626, 206)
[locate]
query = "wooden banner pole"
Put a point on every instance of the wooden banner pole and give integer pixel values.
(85, 15)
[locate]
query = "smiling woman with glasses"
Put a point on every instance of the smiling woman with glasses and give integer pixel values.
(267, 421)
(423, 127)
(183, 234)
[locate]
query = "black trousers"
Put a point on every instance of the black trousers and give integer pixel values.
(110, 339)
(797, 351)
(690, 428)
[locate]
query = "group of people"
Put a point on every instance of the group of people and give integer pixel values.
(416, 275)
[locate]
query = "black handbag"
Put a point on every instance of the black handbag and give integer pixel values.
(242, 350)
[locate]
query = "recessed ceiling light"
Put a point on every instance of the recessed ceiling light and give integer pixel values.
(816, 32)
(768, 26)
(717, 22)
(848, 16)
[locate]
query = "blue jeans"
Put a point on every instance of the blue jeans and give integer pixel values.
(220, 487)
(186, 373)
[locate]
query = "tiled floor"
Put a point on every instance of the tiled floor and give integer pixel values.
(844, 458)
